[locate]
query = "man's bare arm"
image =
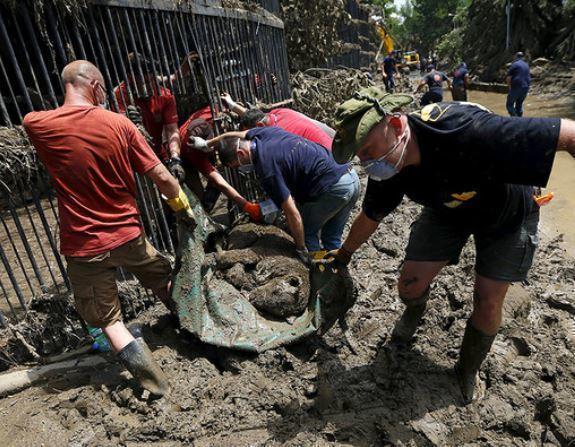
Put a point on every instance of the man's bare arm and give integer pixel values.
(295, 222)
(165, 182)
(173, 135)
(229, 191)
(236, 133)
(361, 230)
(567, 137)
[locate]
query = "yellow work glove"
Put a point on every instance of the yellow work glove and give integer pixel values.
(180, 205)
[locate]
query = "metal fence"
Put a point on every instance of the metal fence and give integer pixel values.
(200, 49)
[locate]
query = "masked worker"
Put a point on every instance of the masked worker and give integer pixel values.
(460, 82)
(286, 119)
(472, 171)
(156, 107)
(434, 81)
(302, 178)
(91, 155)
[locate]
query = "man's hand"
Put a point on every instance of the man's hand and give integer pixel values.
(340, 255)
(228, 101)
(134, 115)
(176, 169)
(304, 256)
(254, 211)
(199, 144)
(182, 209)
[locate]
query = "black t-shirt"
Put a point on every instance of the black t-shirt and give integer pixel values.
(434, 80)
(476, 167)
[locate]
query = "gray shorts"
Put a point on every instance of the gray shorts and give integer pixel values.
(507, 257)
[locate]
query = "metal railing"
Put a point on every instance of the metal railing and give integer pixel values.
(199, 50)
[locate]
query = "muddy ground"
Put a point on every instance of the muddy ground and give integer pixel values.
(346, 388)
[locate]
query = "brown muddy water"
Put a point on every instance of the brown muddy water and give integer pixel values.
(558, 217)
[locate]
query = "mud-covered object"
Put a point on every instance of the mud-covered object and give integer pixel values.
(255, 295)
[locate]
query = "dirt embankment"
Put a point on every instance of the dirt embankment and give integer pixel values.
(347, 388)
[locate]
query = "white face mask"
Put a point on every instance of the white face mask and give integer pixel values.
(380, 169)
(247, 168)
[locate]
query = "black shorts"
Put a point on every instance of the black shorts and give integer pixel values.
(507, 257)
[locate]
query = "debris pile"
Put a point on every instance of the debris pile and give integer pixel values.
(318, 91)
(18, 160)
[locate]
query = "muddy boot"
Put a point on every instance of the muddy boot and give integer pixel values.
(137, 358)
(410, 319)
(474, 349)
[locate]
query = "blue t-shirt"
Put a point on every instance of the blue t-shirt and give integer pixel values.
(389, 64)
(287, 164)
(434, 80)
(519, 72)
(459, 76)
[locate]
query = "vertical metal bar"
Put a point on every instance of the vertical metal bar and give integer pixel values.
(24, 47)
(148, 198)
(5, 293)
(242, 58)
(146, 46)
(163, 221)
(37, 236)
(10, 90)
(127, 51)
(172, 49)
(16, 66)
(22, 235)
(17, 254)
(164, 54)
(38, 55)
(78, 39)
(223, 37)
(146, 215)
(68, 47)
(135, 51)
(44, 178)
(51, 241)
(149, 28)
(213, 58)
(247, 58)
(94, 27)
(13, 280)
(4, 110)
(205, 81)
(58, 45)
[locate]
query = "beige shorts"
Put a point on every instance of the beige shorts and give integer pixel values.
(93, 278)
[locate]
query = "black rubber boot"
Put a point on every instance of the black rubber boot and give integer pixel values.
(137, 358)
(410, 319)
(474, 349)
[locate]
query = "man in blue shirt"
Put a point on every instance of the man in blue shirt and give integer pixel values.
(518, 80)
(389, 69)
(434, 80)
(294, 170)
(460, 82)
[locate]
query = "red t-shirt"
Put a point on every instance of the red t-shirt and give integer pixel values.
(91, 154)
(294, 122)
(197, 159)
(157, 111)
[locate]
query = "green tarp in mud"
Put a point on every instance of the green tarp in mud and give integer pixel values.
(217, 313)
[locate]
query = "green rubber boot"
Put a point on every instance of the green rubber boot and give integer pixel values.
(137, 358)
(410, 319)
(474, 350)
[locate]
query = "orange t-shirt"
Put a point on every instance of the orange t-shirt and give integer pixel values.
(157, 111)
(91, 154)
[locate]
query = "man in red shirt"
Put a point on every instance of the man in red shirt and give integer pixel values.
(92, 154)
(200, 124)
(287, 119)
(157, 107)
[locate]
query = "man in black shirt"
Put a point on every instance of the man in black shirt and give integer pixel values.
(475, 173)
(434, 80)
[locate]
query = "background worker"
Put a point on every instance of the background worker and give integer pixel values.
(434, 80)
(293, 170)
(460, 82)
(469, 169)
(157, 108)
(389, 71)
(286, 119)
(91, 155)
(518, 80)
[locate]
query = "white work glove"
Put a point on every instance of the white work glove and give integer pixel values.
(228, 101)
(200, 144)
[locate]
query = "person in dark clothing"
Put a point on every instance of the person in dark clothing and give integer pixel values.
(518, 80)
(474, 172)
(434, 80)
(460, 82)
(389, 70)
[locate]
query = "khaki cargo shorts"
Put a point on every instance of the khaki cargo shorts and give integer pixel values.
(94, 284)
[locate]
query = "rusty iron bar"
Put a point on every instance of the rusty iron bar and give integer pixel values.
(17, 254)
(39, 57)
(136, 56)
(15, 65)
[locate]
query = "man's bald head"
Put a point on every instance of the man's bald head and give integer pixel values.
(81, 72)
